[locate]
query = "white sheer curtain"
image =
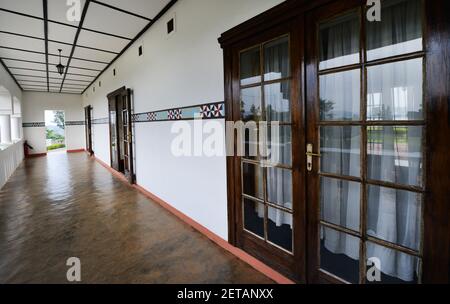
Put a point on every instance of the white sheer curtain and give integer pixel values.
(340, 149)
(278, 108)
(279, 181)
(339, 42)
(399, 32)
(340, 95)
(394, 153)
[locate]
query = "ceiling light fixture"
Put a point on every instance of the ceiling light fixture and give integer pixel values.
(60, 67)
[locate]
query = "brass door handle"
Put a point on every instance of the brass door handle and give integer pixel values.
(313, 154)
(309, 156)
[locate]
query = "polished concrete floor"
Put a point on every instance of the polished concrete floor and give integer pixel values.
(67, 205)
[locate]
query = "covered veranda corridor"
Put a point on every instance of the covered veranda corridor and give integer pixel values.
(68, 205)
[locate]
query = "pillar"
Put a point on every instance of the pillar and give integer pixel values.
(15, 128)
(5, 129)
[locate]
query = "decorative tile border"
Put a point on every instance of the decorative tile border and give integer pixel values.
(205, 111)
(74, 123)
(100, 121)
(42, 124)
(33, 124)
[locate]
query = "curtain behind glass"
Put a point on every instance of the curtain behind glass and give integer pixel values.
(399, 32)
(339, 42)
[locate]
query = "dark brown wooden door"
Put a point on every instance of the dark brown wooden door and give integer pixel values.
(369, 140)
(127, 135)
(88, 129)
(121, 132)
(366, 127)
(113, 133)
(268, 179)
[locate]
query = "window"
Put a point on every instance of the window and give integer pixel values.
(170, 26)
(267, 198)
(371, 144)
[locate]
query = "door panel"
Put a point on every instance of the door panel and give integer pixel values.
(127, 132)
(269, 198)
(88, 129)
(374, 122)
(113, 133)
(121, 132)
(366, 124)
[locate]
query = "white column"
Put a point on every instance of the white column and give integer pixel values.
(20, 127)
(15, 128)
(5, 129)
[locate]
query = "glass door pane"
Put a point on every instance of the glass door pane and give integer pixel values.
(339, 41)
(265, 105)
(370, 128)
(113, 133)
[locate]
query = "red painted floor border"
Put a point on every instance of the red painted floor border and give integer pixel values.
(36, 155)
(242, 255)
(76, 151)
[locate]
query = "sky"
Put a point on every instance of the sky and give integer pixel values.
(49, 117)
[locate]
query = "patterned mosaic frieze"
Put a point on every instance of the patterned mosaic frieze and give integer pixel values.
(204, 111)
(100, 121)
(33, 124)
(74, 123)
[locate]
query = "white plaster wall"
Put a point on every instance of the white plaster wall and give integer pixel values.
(8, 83)
(183, 69)
(100, 142)
(6, 104)
(34, 106)
(35, 137)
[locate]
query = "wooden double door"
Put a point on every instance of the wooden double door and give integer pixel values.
(121, 132)
(88, 129)
(330, 183)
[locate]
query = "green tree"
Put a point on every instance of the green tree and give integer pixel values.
(52, 135)
(59, 119)
(326, 106)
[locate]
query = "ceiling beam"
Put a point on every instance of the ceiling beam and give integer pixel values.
(49, 54)
(42, 77)
(64, 24)
(80, 25)
(160, 14)
(51, 92)
(37, 70)
(44, 3)
(34, 76)
(38, 62)
(121, 10)
(58, 84)
(40, 86)
(60, 42)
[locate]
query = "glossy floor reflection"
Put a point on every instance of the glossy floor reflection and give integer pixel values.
(67, 205)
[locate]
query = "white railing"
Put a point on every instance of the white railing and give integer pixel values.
(11, 156)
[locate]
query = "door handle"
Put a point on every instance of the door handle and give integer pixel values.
(309, 156)
(313, 154)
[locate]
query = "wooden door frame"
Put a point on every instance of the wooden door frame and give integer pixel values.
(285, 262)
(112, 98)
(315, 275)
(121, 92)
(128, 138)
(88, 129)
(436, 248)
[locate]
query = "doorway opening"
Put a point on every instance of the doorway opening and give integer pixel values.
(121, 132)
(88, 129)
(55, 130)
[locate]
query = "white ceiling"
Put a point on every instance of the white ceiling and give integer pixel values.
(109, 27)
